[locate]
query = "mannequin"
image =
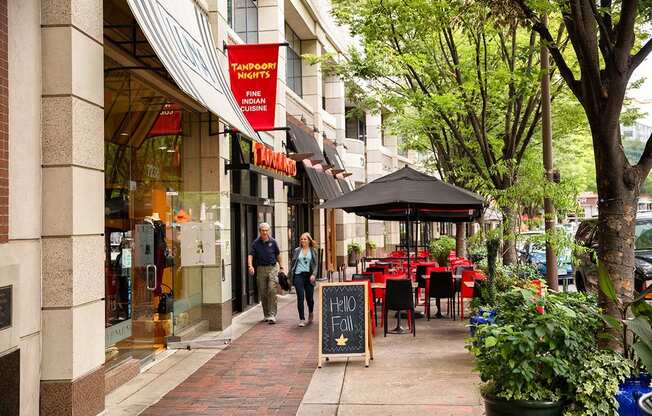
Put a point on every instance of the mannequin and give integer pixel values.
(160, 248)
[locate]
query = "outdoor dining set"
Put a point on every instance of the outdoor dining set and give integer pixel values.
(394, 286)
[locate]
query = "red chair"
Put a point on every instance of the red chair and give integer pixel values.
(465, 291)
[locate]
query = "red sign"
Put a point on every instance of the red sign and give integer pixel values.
(265, 157)
(253, 70)
(168, 122)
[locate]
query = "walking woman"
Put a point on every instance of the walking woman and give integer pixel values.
(303, 269)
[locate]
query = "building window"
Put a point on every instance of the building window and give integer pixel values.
(242, 16)
(355, 127)
(293, 68)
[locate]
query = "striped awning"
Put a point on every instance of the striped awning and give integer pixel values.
(179, 33)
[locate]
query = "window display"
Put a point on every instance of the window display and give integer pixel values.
(160, 216)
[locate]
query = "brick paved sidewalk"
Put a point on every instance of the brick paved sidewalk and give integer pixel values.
(264, 372)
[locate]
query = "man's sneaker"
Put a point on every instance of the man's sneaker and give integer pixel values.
(302, 323)
(271, 320)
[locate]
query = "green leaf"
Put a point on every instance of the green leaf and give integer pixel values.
(540, 331)
(490, 342)
(611, 321)
(641, 327)
(644, 353)
(606, 285)
(642, 309)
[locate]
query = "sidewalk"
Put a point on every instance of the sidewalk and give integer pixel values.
(430, 374)
(271, 370)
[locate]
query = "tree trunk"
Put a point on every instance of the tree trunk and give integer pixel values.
(617, 203)
(460, 239)
(510, 223)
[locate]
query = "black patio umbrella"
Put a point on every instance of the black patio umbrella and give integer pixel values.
(409, 195)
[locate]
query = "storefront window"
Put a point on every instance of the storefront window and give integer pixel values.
(293, 68)
(161, 215)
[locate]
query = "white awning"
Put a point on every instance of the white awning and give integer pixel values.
(179, 33)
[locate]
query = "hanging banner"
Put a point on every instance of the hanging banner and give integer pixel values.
(168, 122)
(253, 70)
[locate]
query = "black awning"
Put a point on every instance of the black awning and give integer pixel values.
(303, 141)
(334, 159)
(325, 185)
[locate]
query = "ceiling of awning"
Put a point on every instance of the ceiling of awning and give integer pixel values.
(179, 33)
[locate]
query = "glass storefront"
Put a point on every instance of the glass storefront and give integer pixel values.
(161, 214)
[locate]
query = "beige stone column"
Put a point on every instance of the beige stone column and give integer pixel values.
(20, 257)
(217, 305)
(72, 379)
(376, 229)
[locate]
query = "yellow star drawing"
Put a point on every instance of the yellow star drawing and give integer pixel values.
(341, 341)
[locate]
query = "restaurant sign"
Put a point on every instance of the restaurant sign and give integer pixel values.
(267, 158)
(253, 70)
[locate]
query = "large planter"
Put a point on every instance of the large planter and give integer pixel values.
(353, 259)
(494, 406)
(485, 316)
(629, 392)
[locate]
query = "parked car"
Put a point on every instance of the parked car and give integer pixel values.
(537, 258)
(586, 274)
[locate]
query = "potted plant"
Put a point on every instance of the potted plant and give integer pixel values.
(440, 248)
(536, 364)
(353, 250)
(371, 248)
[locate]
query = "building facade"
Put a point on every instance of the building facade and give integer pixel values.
(127, 199)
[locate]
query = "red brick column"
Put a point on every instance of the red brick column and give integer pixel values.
(4, 125)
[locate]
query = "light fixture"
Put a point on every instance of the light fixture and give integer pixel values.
(171, 150)
(124, 134)
(300, 156)
(315, 129)
(162, 148)
(323, 135)
(347, 174)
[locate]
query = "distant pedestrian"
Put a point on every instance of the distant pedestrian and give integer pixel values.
(303, 269)
(263, 259)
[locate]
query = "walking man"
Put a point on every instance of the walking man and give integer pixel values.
(263, 259)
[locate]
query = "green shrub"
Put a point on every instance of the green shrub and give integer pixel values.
(476, 247)
(551, 356)
(440, 248)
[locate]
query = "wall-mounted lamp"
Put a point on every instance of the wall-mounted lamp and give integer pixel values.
(300, 156)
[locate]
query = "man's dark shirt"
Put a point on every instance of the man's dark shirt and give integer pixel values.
(264, 253)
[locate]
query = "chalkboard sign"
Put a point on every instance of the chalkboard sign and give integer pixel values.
(344, 321)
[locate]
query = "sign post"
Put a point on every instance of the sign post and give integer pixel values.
(344, 324)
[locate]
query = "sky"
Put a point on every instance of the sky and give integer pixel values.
(644, 93)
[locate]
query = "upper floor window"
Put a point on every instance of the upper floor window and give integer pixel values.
(243, 18)
(293, 69)
(355, 127)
